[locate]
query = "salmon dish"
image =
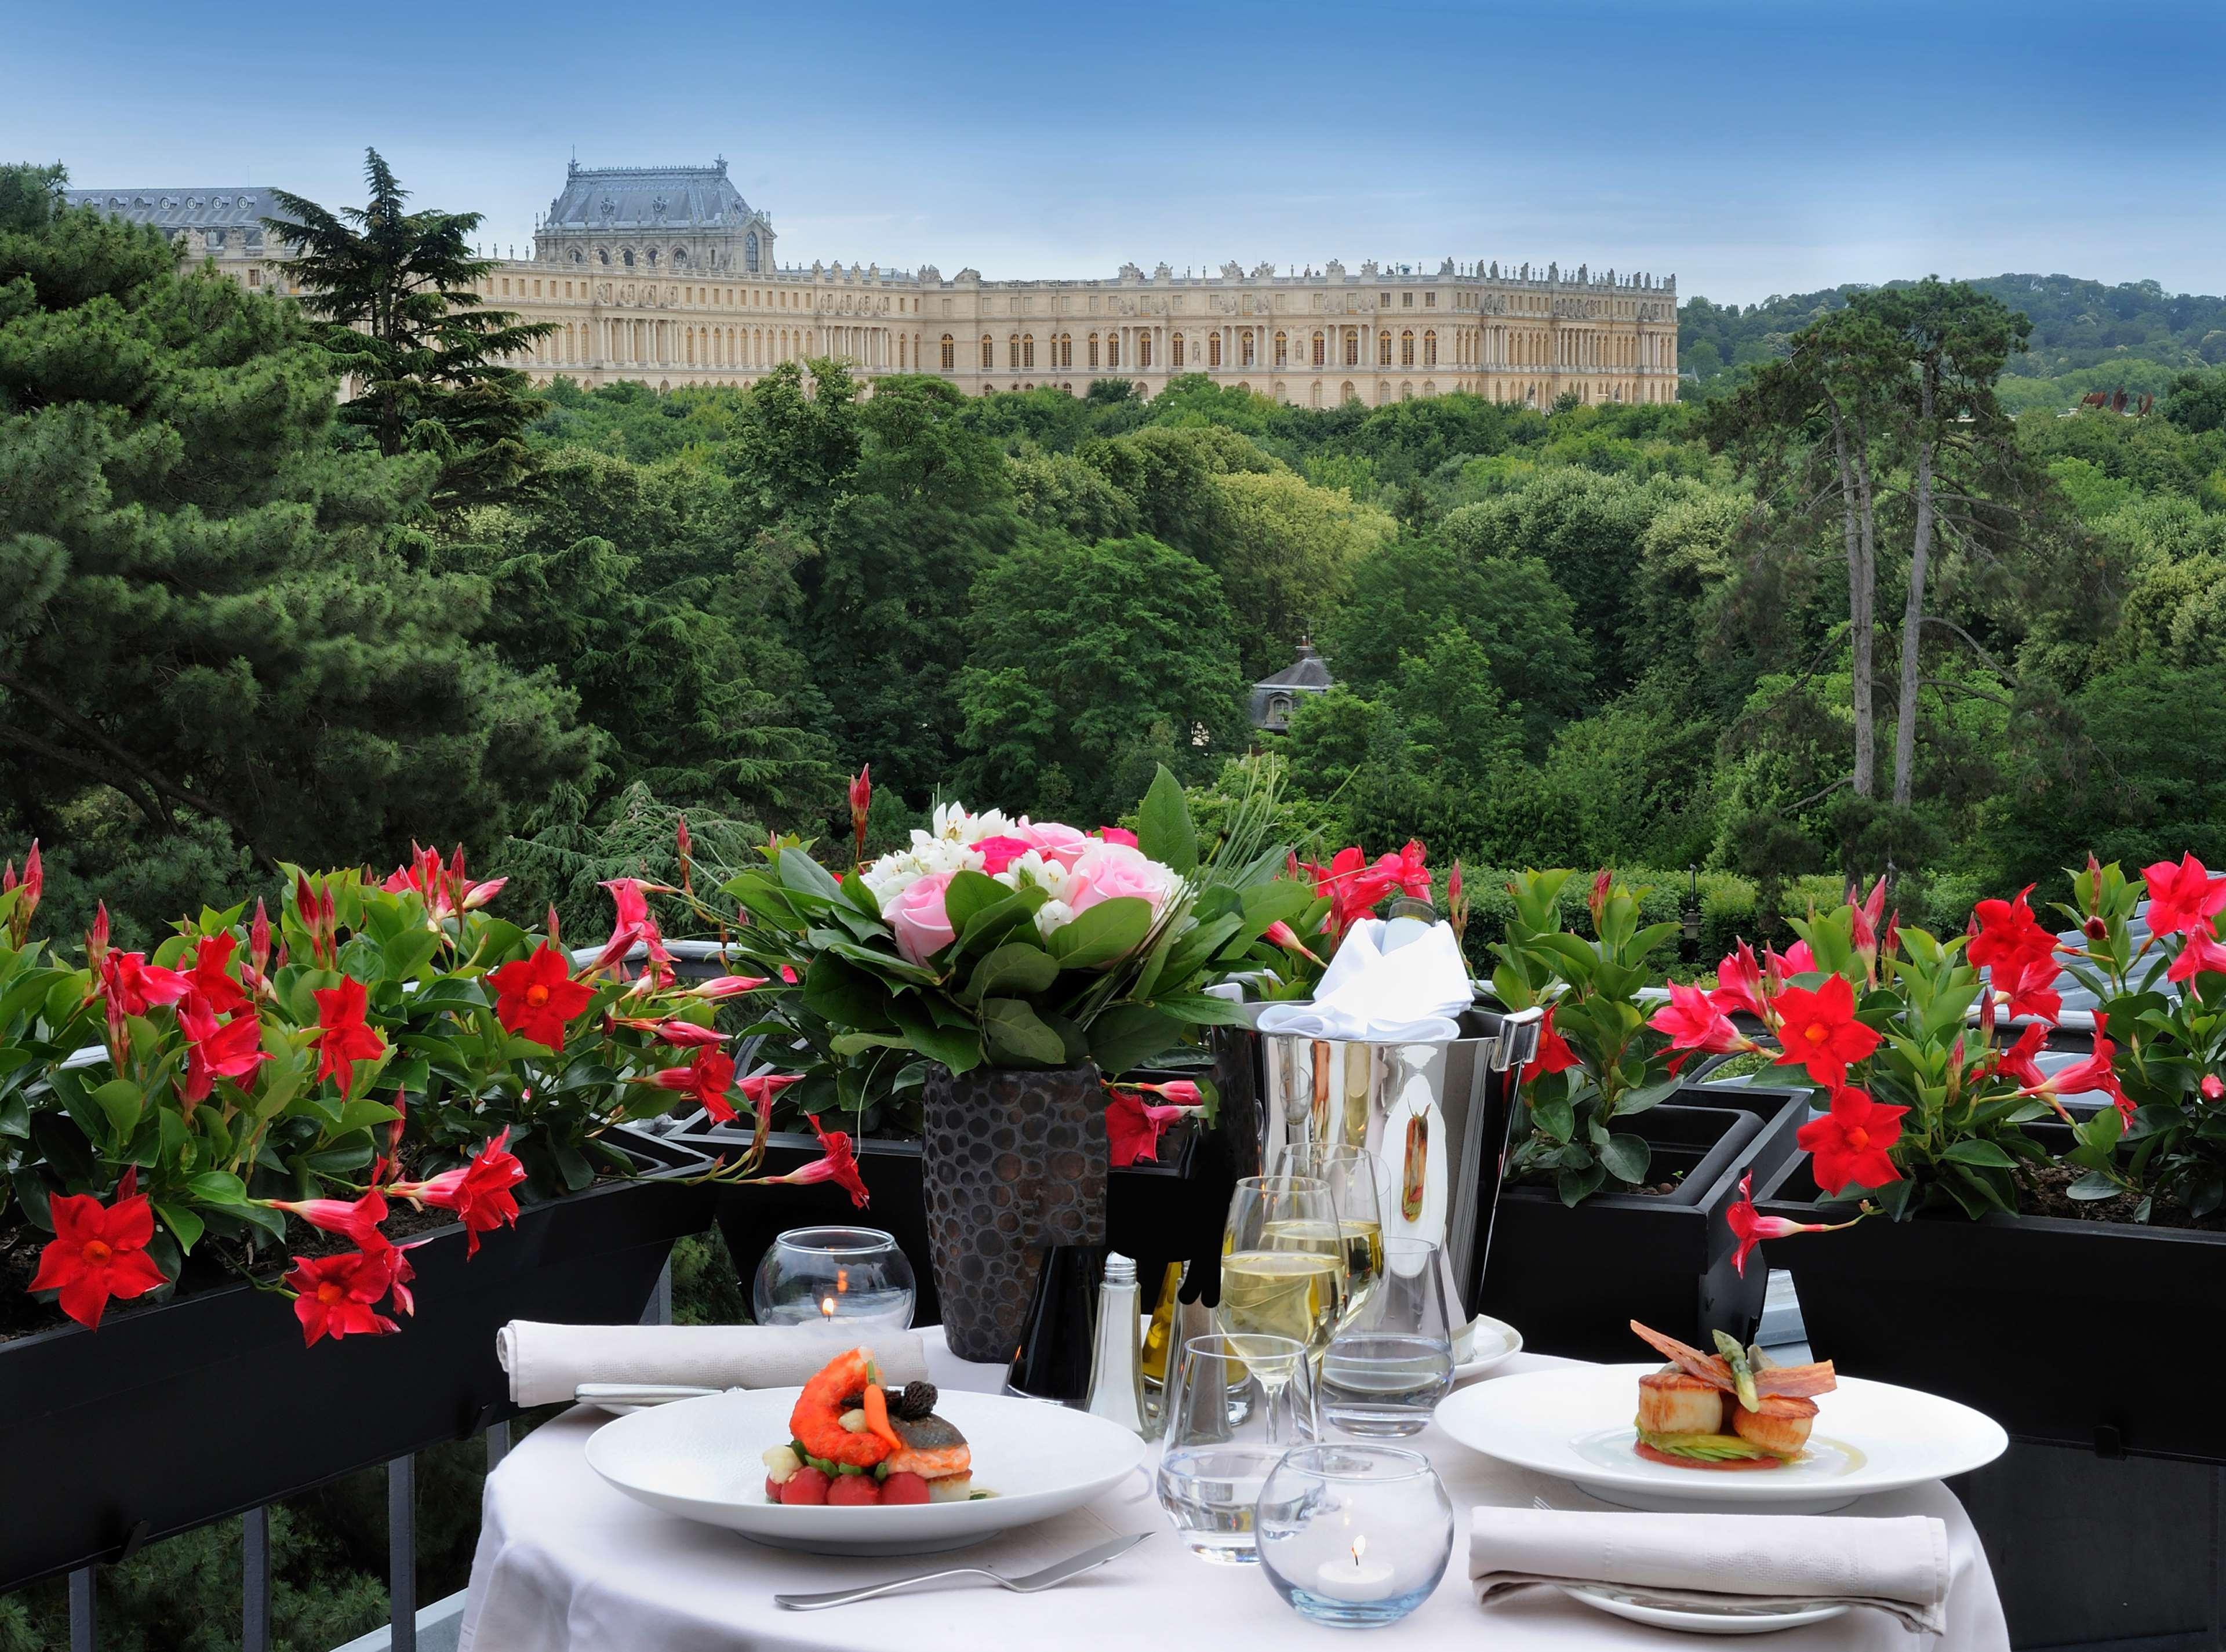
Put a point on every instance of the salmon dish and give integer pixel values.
(853, 1443)
(1729, 1410)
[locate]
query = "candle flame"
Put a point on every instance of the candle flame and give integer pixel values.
(827, 1306)
(1359, 1548)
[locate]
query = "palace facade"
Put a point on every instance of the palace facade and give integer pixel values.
(666, 275)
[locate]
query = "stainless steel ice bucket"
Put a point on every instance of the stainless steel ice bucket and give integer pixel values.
(1436, 1115)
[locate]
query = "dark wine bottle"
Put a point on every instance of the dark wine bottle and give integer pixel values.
(1058, 1338)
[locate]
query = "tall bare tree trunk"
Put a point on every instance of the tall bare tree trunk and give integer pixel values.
(1912, 614)
(1855, 527)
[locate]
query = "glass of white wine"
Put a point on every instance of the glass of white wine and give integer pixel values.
(1282, 1267)
(1354, 1178)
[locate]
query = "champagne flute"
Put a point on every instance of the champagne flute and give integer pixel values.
(1354, 1176)
(1283, 1270)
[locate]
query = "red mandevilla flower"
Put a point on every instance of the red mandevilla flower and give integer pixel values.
(2200, 955)
(97, 1253)
(1554, 1053)
(338, 1296)
(1694, 1024)
(212, 980)
(2005, 931)
(343, 1038)
(1870, 913)
(761, 1090)
(233, 1050)
(708, 1078)
(132, 986)
(2017, 1061)
(1742, 988)
(1848, 1145)
(479, 1192)
(2096, 1071)
(356, 1220)
(836, 1164)
(1819, 1030)
(1750, 1227)
(2184, 899)
(1133, 1125)
(2213, 1087)
(536, 996)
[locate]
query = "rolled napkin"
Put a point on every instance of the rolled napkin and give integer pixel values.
(1372, 993)
(1898, 1566)
(546, 1363)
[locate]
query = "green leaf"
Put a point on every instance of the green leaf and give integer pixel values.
(1011, 1029)
(1645, 1096)
(1985, 1154)
(1103, 934)
(1201, 1009)
(1016, 967)
(969, 893)
(2093, 1185)
(1626, 1157)
(119, 1098)
(1553, 1114)
(799, 872)
(1576, 1186)
(1164, 828)
(1130, 1035)
(218, 1187)
(185, 1227)
(844, 996)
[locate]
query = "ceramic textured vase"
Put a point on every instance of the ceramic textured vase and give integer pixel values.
(1012, 1162)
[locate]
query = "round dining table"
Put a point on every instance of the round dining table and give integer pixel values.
(567, 1563)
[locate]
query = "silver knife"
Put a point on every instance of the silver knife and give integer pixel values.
(1050, 1576)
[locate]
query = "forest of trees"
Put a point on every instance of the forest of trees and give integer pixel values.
(1852, 608)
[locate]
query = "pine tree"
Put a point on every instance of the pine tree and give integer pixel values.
(397, 295)
(217, 622)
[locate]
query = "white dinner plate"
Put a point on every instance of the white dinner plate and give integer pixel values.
(1731, 1620)
(1574, 1422)
(702, 1459)
(1496, 1342)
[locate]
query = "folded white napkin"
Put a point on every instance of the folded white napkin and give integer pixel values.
(1370, 994)
(546, 1363)
(1898, 1566)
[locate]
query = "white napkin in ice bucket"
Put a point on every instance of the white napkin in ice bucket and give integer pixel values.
(1378, 994)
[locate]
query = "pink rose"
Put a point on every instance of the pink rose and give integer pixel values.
(1117, 835)
(1053, 840)
(918, 918)
(1109, 871)
(998, 852)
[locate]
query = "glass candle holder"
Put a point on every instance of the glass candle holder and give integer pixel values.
(834, 1276)
(1354, 1536)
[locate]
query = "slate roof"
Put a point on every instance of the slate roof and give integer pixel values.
(244, 205)
(647, 197)
(1307, 671)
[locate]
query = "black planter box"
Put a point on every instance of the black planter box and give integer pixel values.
(2102, 1335)
(169, 1418)
(1570, 1278)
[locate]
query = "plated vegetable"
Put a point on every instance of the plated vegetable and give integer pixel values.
(1731, 1409)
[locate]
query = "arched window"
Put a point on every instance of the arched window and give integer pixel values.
(950, 353)
(1407, 349)
(1066, 349)
(1383, 349)
(1321, 359)
(1029, 353)
(680, 257)
(627, 257)
(1282, 349)
(1012, 353)
(1093, 350)
(602, 255)
(989, 353)
(1213, 350)
(1175, 352)
(750, 252)
(1112, 349)
(1143, 349)
(577, 258)
(1351, 356)
(1429, 349)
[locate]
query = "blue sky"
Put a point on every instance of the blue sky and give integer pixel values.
(1749, 147)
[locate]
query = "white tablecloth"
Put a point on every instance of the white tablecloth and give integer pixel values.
(566, 1564)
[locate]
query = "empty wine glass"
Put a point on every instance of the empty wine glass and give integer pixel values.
(1226, 1426)
(1354, 1178)
(1387, 1369)
(1283, 1266)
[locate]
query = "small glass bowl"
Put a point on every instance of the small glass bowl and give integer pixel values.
(1354, 1536)
(847, 1276)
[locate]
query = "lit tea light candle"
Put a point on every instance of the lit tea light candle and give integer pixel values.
(1352, 1576)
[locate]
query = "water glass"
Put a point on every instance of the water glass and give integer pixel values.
(1354, 1536)
(850, 1278)
(1225, 1429)
(1386, 1370)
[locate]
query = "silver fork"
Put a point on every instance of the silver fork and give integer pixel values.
(1073, 1566)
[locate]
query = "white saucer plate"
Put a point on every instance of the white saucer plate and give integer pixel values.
(1496, 1341)
(1574, 1422)
(1736, 1620)
(702, 1459)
